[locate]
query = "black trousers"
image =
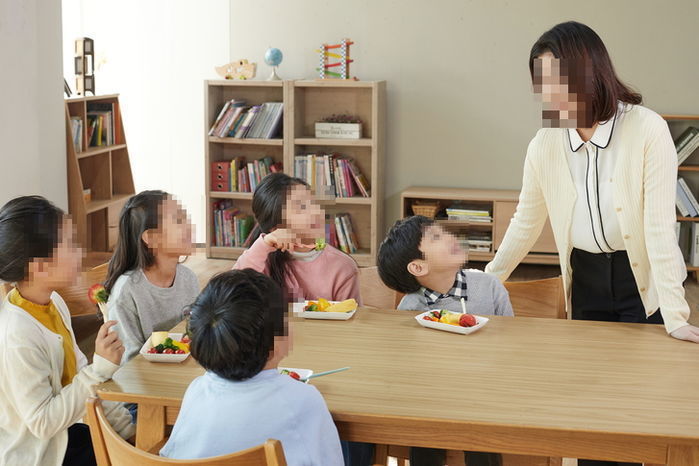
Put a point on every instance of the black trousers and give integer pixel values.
(79, 451)
(604, 289)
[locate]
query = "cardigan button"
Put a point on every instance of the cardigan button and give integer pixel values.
(626, 237)
(618, 209)
(634, 264)
(642, 290)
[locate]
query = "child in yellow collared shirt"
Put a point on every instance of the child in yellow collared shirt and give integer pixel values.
(46, 379)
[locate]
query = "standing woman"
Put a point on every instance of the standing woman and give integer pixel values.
(604, 170)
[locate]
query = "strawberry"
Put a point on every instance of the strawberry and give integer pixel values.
(168, 351)
(467, 320)
(294, 375)
(152, 351)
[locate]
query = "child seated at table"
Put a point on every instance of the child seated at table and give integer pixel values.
(239, 334)
(419, 258)
(45, 379)
(148, 286)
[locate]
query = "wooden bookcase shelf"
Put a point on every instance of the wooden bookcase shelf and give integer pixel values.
(305, 102)
(501, 204)
(688, 170)
(105, 170)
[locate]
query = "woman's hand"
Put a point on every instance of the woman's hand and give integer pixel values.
(687, 332)
(283, 239)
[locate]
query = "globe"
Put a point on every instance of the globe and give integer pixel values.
(273, 57)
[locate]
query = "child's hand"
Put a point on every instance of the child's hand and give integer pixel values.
(283, 239)
(108, 345)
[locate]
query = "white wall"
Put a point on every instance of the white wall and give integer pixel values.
(460, 107)
(157, 54)
(32, 117)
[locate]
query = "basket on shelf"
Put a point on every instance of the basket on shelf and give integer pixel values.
(427, 209)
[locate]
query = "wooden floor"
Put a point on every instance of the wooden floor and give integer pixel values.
(86, 327)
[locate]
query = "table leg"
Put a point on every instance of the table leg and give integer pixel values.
(682, 455)
(150, 426)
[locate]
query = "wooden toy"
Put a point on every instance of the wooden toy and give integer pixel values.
(84, 66)
(241, 69)
(339, 69)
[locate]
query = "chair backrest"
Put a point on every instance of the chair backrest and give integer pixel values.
(374, 292)
(75, 295)
(538, 298)
(111, 449)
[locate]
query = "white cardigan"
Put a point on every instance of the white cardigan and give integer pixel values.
(645, 188)
(35, 409)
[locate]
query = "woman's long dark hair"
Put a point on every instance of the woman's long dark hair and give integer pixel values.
(140, 213)
(572, 41)
(268, 202)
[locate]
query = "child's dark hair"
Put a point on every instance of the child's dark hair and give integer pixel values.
(233, 322)
(268, 202)
(400, 247)
(140, 213)
(30, 227)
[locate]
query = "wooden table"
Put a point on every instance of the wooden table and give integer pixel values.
(545, 387)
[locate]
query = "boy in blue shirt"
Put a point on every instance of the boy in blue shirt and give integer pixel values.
(422, 260)
(238, 334)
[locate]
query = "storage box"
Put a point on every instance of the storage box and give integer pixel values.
(220, 176)
(338, 130)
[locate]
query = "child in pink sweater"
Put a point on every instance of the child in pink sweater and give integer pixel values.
(291, 221)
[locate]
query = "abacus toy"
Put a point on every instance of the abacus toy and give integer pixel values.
(337, 70)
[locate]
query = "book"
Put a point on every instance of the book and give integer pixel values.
(218, 118)
(359, 179)
(694, 249)
(683, 204)
(684, 142)
(694, 205)
(351, 238)
(341, 236)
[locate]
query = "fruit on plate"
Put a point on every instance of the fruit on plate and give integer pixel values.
(323, 305)
(292, 374)
(167, 345)
(467, 320)
(451, 318)
(158, 338)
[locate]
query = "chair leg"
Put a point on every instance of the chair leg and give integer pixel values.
(381, 455)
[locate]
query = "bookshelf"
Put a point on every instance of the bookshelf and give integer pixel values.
(223, 149)
(500, 203)
(103, 169)
(305, 102)
(687, 170)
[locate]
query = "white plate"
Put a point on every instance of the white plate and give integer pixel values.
(155, 357)
(480, 322)
(303, 373)
(298, 309)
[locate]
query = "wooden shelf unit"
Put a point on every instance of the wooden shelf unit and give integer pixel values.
(502, 205)
(309, 102)
(305, 102)
(105, 170)
(216, 94)
(687, 170)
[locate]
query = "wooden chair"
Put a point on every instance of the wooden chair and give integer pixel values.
(75, 296)
(374, 292)
(535, 298)
(538, 298)
(111, 449)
